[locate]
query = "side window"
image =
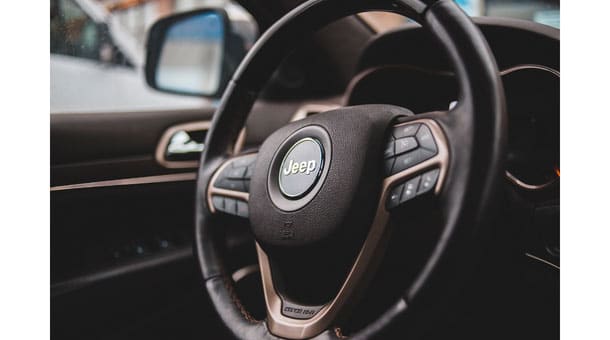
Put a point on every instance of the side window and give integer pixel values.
(98, 53)
(73, 32)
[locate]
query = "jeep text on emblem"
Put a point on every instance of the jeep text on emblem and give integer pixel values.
(295, 167)
(301, 168)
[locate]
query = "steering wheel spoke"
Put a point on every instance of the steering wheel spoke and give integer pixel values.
(421, 146)
(229, 188)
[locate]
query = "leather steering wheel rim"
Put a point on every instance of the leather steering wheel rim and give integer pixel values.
(477, 124)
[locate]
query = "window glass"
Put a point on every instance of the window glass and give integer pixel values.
(542, 11)
(98, 53)
(73, 32)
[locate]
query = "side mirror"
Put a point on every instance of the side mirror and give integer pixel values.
(187, 53)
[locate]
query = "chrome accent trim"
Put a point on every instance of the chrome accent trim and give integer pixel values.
(204, 125)
(529, 66)
(166, 138)
(531, 187)
(534, 257)
(242, 272)
(186, 176)
(308, 109)
(365, 262)
(509, 176)
(240, 142)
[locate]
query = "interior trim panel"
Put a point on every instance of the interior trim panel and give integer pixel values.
(188, 176)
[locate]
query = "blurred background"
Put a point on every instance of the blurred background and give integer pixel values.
(98, 53)
(98, 47)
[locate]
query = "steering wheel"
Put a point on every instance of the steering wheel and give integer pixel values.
(320, 192)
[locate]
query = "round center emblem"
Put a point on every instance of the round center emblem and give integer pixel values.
(301, 168)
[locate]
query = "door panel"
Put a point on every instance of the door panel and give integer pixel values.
(91, 147)
(121, 225)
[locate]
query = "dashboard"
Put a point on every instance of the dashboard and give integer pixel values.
(532, 101)
(418, 76)
(406, 68)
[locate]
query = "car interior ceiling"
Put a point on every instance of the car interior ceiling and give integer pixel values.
(122, 264)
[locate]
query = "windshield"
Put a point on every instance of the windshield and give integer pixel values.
(98, 47)
(541, 11)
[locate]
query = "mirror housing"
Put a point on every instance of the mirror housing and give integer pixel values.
(190, 53)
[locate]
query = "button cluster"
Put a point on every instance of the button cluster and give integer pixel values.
(413, 187)
(409, 145)
(236, 175)
(230, 205)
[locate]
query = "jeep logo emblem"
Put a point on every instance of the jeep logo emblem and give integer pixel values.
(301, 168)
